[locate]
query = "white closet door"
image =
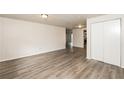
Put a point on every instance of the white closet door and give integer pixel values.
(97, 41)
(112, 42)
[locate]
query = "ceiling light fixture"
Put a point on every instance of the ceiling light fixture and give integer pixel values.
(79, 26)
(44, 16)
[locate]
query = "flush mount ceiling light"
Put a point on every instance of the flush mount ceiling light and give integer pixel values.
(44, 16)
(79, 26)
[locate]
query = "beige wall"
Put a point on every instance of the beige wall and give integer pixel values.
(21, 38)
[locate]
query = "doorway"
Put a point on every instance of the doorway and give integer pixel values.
(69, 39)
(85, 38)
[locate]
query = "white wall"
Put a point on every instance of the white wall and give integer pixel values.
(21, 38)
(104, 18)
(0, 41)
(78, 38)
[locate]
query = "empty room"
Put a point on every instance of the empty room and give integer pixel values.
(61, 46)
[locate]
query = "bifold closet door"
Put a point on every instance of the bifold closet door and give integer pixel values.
(105, 41)
(111, 32)
(97, 41)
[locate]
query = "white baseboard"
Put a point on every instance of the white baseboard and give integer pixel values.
(88, 58)
(122, 66)
(8, 59)
(78, 47)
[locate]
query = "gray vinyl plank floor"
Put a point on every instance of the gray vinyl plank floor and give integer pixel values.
(62, 64)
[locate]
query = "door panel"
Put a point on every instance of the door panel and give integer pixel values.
(112, 42)
(97, 41)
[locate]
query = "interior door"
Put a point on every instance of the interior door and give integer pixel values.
(111, 32)
(97, 41)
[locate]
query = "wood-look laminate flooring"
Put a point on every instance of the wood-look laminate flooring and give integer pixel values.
(62, 64)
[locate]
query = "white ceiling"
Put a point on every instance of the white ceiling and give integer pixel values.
(63, 20)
